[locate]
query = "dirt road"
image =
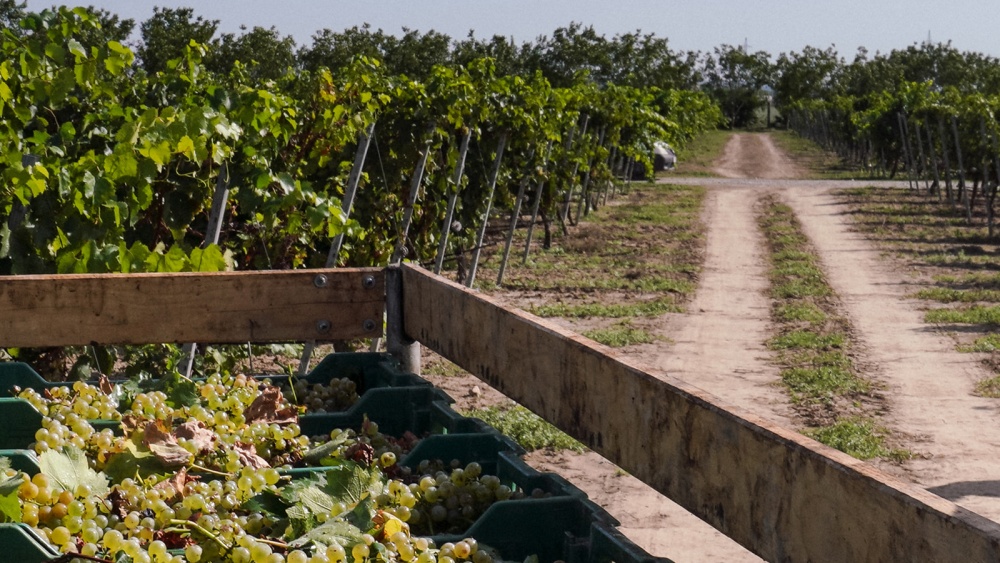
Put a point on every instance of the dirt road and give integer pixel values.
(955, 435)
(718, 345)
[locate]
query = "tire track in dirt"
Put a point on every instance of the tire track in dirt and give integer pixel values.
(929, 384)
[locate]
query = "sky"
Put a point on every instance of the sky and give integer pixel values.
(774, 26)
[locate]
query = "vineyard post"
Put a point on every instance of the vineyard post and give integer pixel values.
(573, 176)
(907, 152)
(989, 189)
(947, 161)
(923, 160)
(996, 167)
(491, 188)
(628, 175)
(539, 192)
(610, 182)
(350, 191)
(515, 214)
(934, 161)
(452, 198)
(963, 193)
(418, 176)
(562, 165)
(212, 233)
(584, 193)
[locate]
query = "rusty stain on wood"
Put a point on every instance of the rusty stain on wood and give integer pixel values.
(783, 496)
(225, 307)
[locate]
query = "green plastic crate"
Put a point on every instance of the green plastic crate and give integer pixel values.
(22, 544)
(569, 528)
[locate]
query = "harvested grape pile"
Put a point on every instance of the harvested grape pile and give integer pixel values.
(199, 471)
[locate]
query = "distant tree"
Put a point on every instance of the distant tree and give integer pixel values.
(335, 50)
(415, 53)
(646, 60)
(11, 14)
(508, 57)
(569, 52)
(168, 32)
(735, 78)
(266, 54)
(812, 74)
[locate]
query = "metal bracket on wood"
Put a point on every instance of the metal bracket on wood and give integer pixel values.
(401, 346)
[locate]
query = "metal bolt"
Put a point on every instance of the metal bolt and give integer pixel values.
(323, 326)
(368, 281)
(369, 325)
(320, 280)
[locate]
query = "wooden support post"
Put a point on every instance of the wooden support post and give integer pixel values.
(418, 176)
(515, 214)
(947, 161)
(350, 191)
(491, 188)
(219, 199)
(962, 190)
(779, 494)
(907, 153)
(573, 175)
(452, 198)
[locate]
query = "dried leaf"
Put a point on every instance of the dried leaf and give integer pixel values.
(198, 434)
(162, 442)
(176, 485)
(105, 385)
(270, 406)
(248, 456)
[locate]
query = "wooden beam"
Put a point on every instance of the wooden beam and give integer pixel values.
(225, 307)
(783, 496)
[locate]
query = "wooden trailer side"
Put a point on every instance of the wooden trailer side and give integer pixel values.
(781, 495)
(225, 307)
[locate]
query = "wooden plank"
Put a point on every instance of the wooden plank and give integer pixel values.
(783, 496)
(225, 307)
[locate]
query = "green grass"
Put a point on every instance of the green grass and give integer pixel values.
(526, 428)
(698, 157)
(799, 312)
(799, 289)
(988, 343)
(989, 388)
(859, 438)
(950, 295)
(813, 158)
(967, 315)
(807, 340)
(653, 308)
(823, 383)
(620, 335)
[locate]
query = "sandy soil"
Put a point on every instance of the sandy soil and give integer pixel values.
(718, 346)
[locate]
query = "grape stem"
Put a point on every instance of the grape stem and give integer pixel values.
(210, 471)
(273, 543)
(205, 532)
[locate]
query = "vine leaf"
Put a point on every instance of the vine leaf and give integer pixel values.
(68, 469)
(10, 507)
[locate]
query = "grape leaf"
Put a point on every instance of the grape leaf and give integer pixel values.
(332, 531)
(349, 483)
(266, 503)
(68, 469)
(10, 507)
